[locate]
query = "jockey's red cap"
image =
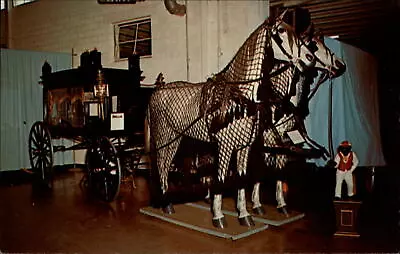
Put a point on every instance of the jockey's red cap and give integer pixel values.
(345, 143)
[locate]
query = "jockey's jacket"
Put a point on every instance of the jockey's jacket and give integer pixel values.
(345, 163)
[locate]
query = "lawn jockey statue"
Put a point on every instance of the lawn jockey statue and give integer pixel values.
(346, 162)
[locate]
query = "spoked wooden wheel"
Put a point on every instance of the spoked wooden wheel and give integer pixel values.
(103, 169)
(41, 152)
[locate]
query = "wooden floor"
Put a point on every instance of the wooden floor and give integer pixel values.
(66, 220)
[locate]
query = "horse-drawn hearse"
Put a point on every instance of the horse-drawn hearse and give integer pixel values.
(101, 110)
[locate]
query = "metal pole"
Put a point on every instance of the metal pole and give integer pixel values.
(330, 143)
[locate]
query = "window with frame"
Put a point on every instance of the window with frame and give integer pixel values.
(14, 3)
(133, 36)
(21, 2)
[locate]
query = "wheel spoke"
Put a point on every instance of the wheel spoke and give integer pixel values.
(38, 134)
(34, 163)
(42, 134)
(34, 141)
(36, 131)
(47, 160)
(41, 164)
(38, 163)
(34, 155)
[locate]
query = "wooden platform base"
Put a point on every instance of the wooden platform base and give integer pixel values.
(197, 216)
(271, 217)
(347, 218)
(199, 219)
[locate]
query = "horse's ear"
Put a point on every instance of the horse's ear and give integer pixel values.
(283, 14)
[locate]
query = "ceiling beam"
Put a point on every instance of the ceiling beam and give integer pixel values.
(376, 10)
(328, 6)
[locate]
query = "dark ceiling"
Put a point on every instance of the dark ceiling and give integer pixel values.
(365, 24)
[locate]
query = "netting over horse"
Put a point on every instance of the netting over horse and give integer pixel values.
(291, 117)
(290, 93)
(225, 109)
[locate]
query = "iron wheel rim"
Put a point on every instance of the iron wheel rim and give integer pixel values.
(103, 169)
(41, 152)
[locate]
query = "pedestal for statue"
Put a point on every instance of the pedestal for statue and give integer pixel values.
(347, 218)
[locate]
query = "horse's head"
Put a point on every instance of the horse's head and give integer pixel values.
(287, 46)
(325, 59)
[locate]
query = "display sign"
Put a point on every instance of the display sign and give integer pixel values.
(296, 137)
(93, 109)
(117, 121)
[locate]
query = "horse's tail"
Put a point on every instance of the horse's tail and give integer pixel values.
(147, 124)
(155, 189)
(147, 119)
(147, 133)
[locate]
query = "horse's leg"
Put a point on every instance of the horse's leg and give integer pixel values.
(218, 219)
(207, 198)
(216, 190)
(224, 156)
(255, 198)
(256, 174)
(280, 198)
(281, 161)
(245, 218)
(164, 161)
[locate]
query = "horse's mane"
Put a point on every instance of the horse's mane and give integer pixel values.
(244, 61)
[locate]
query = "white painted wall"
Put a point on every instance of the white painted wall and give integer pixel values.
(216, 30)
(184, 48)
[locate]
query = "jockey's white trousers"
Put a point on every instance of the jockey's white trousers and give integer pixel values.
(347, 176)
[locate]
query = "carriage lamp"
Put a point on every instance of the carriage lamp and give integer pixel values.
(100, 92)
(101, 87)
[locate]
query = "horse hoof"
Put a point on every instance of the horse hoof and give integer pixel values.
(283, 210)
(259, 210)
(219, 223)
(169, 209)
(246, 221)
(207, 200)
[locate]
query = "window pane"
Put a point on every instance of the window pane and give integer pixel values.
(126, 50)
(144, 31)
(143, 48)
(127, 33)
